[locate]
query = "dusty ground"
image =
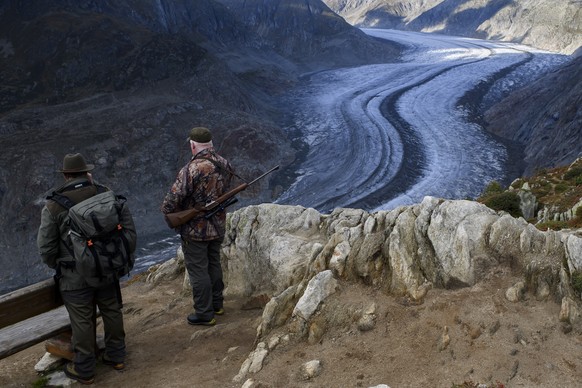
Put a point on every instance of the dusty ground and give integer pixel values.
(491, 341)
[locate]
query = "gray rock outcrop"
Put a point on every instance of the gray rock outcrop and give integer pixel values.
(271, 249)
(528, 203)
(299, 258)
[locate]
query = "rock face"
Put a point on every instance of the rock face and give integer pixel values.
(124, 82)
(282, 250)
(555, 26)
(309, 33)
(546, 116)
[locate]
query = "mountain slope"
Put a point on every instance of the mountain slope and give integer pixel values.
(122, 82)
(551, 25)
(546, 116)
(309, 33)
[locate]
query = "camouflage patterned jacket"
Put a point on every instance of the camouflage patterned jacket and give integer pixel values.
(198, 183)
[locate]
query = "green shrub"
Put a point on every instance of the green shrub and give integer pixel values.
(492, 188)
(579, 180)
(561, 187)
(576, 221)
(576, 279)
(517, 184)
(552, 225)
(572, 173)
(41, 383)
(508, 201)
(541, 188)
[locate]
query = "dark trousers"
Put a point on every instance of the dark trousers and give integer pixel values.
(202, 261)
(81, 307)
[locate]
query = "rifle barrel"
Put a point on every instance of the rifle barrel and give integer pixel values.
(267, 173)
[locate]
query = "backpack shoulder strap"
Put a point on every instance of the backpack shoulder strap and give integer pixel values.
(66, 202)
(62, 200)
(101, 188)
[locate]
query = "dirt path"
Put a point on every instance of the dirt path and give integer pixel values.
(490, 341)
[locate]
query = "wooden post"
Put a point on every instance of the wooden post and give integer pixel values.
(61, 345)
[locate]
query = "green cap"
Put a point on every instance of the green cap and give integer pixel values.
(200, 135)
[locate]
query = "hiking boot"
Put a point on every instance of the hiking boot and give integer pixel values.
(71, 373)
(194, 320)
(219, 311)
(114, 364)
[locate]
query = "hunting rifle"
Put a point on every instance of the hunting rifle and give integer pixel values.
(176, 219)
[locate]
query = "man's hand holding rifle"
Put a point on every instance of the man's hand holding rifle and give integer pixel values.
(176, 219)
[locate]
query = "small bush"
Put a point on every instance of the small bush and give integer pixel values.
(493, 188)
(508, 201)
(561, 187)
(552, 225)
(41, 383)
(542, 188)
(518, 183)
(575, 223)
(576, 279)
(578, 213)
(572, 173)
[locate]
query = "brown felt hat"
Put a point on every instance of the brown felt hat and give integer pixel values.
(200, 135)
(75, 163)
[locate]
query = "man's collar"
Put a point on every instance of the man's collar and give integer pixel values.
(209, 150)
(75, 184)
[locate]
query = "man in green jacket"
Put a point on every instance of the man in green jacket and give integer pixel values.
(80, 298)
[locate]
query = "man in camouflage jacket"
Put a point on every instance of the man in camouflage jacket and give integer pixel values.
(205, 178)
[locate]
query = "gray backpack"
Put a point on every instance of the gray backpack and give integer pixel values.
(102, 237)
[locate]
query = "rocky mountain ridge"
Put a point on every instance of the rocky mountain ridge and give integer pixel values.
(554, 26)
(309, 34)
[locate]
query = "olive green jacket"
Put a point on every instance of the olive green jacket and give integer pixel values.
(53, 231)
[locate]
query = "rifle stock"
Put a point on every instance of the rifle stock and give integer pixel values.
(179, 218)
(176, 219)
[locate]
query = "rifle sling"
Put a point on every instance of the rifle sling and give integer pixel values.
(219, 166)
(222, 168)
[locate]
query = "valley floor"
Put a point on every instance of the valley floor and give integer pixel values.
(386, 135)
